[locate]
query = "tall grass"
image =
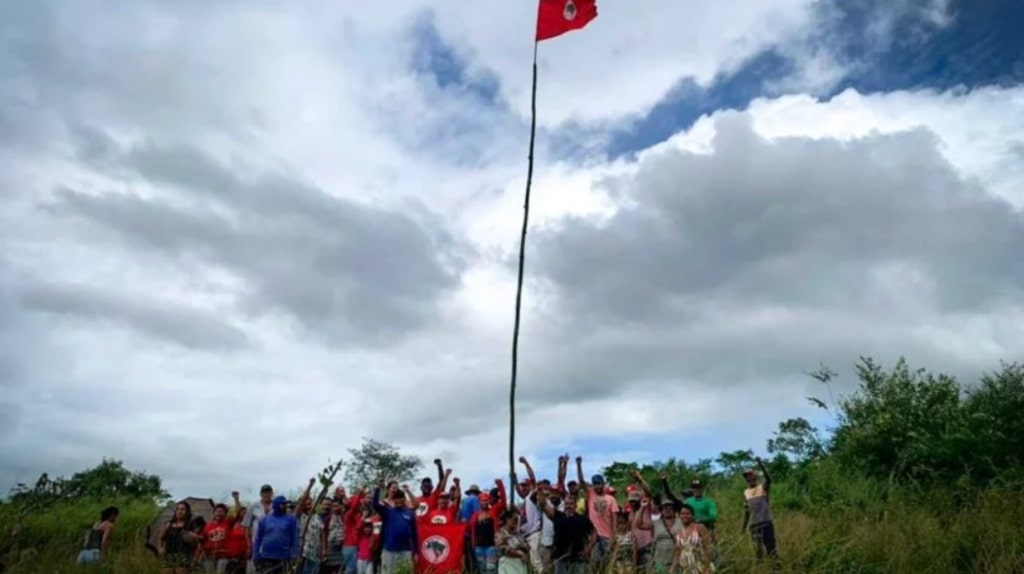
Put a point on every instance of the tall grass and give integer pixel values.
(826, 522)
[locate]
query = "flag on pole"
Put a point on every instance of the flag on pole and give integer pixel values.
(441, 547)
(556, 17)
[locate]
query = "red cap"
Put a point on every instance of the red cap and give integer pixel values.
(484, 497)
(610, 490)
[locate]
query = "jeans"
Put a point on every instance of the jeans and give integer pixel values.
(486, 559)
(364, 567)
(89, 557)
(349, 552)
(395, 562)
(763, 535)
(218, 565)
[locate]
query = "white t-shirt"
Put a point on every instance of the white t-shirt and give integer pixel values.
(253, 517)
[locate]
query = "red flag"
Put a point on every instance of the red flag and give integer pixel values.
(441, 547)
(556, 17)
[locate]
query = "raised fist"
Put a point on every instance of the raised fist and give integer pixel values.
(522, 459)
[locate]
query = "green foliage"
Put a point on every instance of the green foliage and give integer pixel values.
(798, 439)
(912, 425)
(106, 481)
(377, 459)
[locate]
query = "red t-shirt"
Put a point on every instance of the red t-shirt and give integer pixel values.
(214, 536)
(236, 544)
(427, 504)
(353, 520)
(438, 516)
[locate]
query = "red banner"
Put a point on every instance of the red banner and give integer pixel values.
(441, 547)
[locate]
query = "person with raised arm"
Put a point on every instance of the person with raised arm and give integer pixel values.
(429, 495)
(663, 529)
(757, 512)
(483, 529)
(311, 533)
(431, 498)
(399, 538)
(350, 513)
(603, 511)
(638, 497)
(534, 522)
(574, 535)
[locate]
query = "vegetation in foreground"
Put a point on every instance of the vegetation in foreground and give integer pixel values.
(919, 474)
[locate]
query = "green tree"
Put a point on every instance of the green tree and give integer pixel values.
(994, 413)
(108, 480)
(798, 439)
(736, 461)
(378, 459)
(903, 423)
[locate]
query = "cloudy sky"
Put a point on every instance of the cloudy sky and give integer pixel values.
(235, 237)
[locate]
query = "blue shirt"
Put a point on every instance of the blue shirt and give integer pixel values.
(397, 527)
(277, 535)
(470, 506)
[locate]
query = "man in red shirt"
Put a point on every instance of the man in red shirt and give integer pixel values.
(445, 513)
(428, 500)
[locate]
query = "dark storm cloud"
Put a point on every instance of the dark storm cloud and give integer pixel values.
(149, 315)
(791, 222)
(353, 270)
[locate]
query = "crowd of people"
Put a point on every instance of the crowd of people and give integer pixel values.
(565, 527)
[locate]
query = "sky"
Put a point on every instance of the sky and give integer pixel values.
(237, 237)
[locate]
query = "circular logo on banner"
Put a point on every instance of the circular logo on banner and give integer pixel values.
(569, 13)
(435, 549)
(439, 519)
(422, 509)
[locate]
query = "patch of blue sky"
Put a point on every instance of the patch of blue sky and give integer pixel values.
(979, 45)
(460, 105)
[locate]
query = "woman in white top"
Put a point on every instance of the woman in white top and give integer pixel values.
(693, 545)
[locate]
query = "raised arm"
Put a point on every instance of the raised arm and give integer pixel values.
(302, 499)
(563, 469)
(443, 485)
(440, 472)
(545, 504)
(237, 504)
(529, 471)
(457, 495)
(579, 477)
(377, 506)
(502, 498)
(411, 500)
(642, 518)
(668, 490)
(764, 471)
(639, 478)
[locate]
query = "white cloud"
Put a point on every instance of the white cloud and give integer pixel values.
(237, 314)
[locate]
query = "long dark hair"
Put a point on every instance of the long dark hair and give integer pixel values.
(109, 513)
(188, 513)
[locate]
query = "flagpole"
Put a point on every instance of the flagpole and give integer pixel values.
(519, 283)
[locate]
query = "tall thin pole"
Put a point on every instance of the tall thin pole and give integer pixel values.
(519, 284)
